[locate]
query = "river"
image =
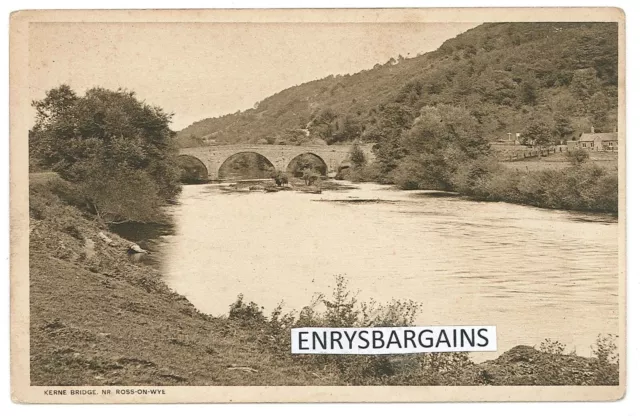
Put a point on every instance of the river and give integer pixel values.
(535, 273)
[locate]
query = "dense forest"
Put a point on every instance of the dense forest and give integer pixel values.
(506, 75)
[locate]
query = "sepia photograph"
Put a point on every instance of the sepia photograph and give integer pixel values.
(324, 198)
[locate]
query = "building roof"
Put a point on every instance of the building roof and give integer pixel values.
(589, 137)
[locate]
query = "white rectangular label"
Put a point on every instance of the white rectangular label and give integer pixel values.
(393, 340)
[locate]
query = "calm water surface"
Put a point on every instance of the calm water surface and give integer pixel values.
(534, 273)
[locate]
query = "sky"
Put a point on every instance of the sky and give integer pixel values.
(200, 70)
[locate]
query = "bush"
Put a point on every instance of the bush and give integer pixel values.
(246, 313)
(585, 187)
(343, 309)
(550, 365)
(606, 349)
(424, 171)
(608, 361)
(552, 347)
(578, 156)
(122, 196)
(371, 172)
(280, 178)
(310, 176)
(446, 369)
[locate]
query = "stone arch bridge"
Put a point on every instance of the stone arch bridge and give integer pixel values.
(280, 156)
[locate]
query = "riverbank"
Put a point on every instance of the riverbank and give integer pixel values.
(97, 318)
(591, 186)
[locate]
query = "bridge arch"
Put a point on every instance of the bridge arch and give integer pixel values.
(246, 165)
(193, 169)
(307, 160)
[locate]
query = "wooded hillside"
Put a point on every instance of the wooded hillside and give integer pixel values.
(505, 74)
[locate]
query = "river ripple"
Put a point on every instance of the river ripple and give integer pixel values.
(534, 273)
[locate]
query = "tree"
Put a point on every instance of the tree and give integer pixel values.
(446, 126)
(357, 156)
(529, 91)
(388, 123)
(117, 149)
(410, 93)
(441, 141)
(345, 129)
(121, 196)
(291, 136)
(324, 123)
(562, 127)
(537, 134)
(56, 106)
(598, 109)
(583, 83)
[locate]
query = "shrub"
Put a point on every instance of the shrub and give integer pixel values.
(122, 196)
(550, 365)
(607, 368)
(578, 156)
(586, 187)
(471, 174)
(343, 309)
(357, 156)
(446, 368)
(310, 176)
(371, 172)
(552, 347)
(246, 313)
(280, 178)
(606, 349)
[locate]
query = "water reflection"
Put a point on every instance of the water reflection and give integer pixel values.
(147, 237)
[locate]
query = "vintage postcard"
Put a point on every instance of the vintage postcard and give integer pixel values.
(318, 205)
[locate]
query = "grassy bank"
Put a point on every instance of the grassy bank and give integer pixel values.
(97, 318)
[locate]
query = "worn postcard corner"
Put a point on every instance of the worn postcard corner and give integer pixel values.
(397, 205)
